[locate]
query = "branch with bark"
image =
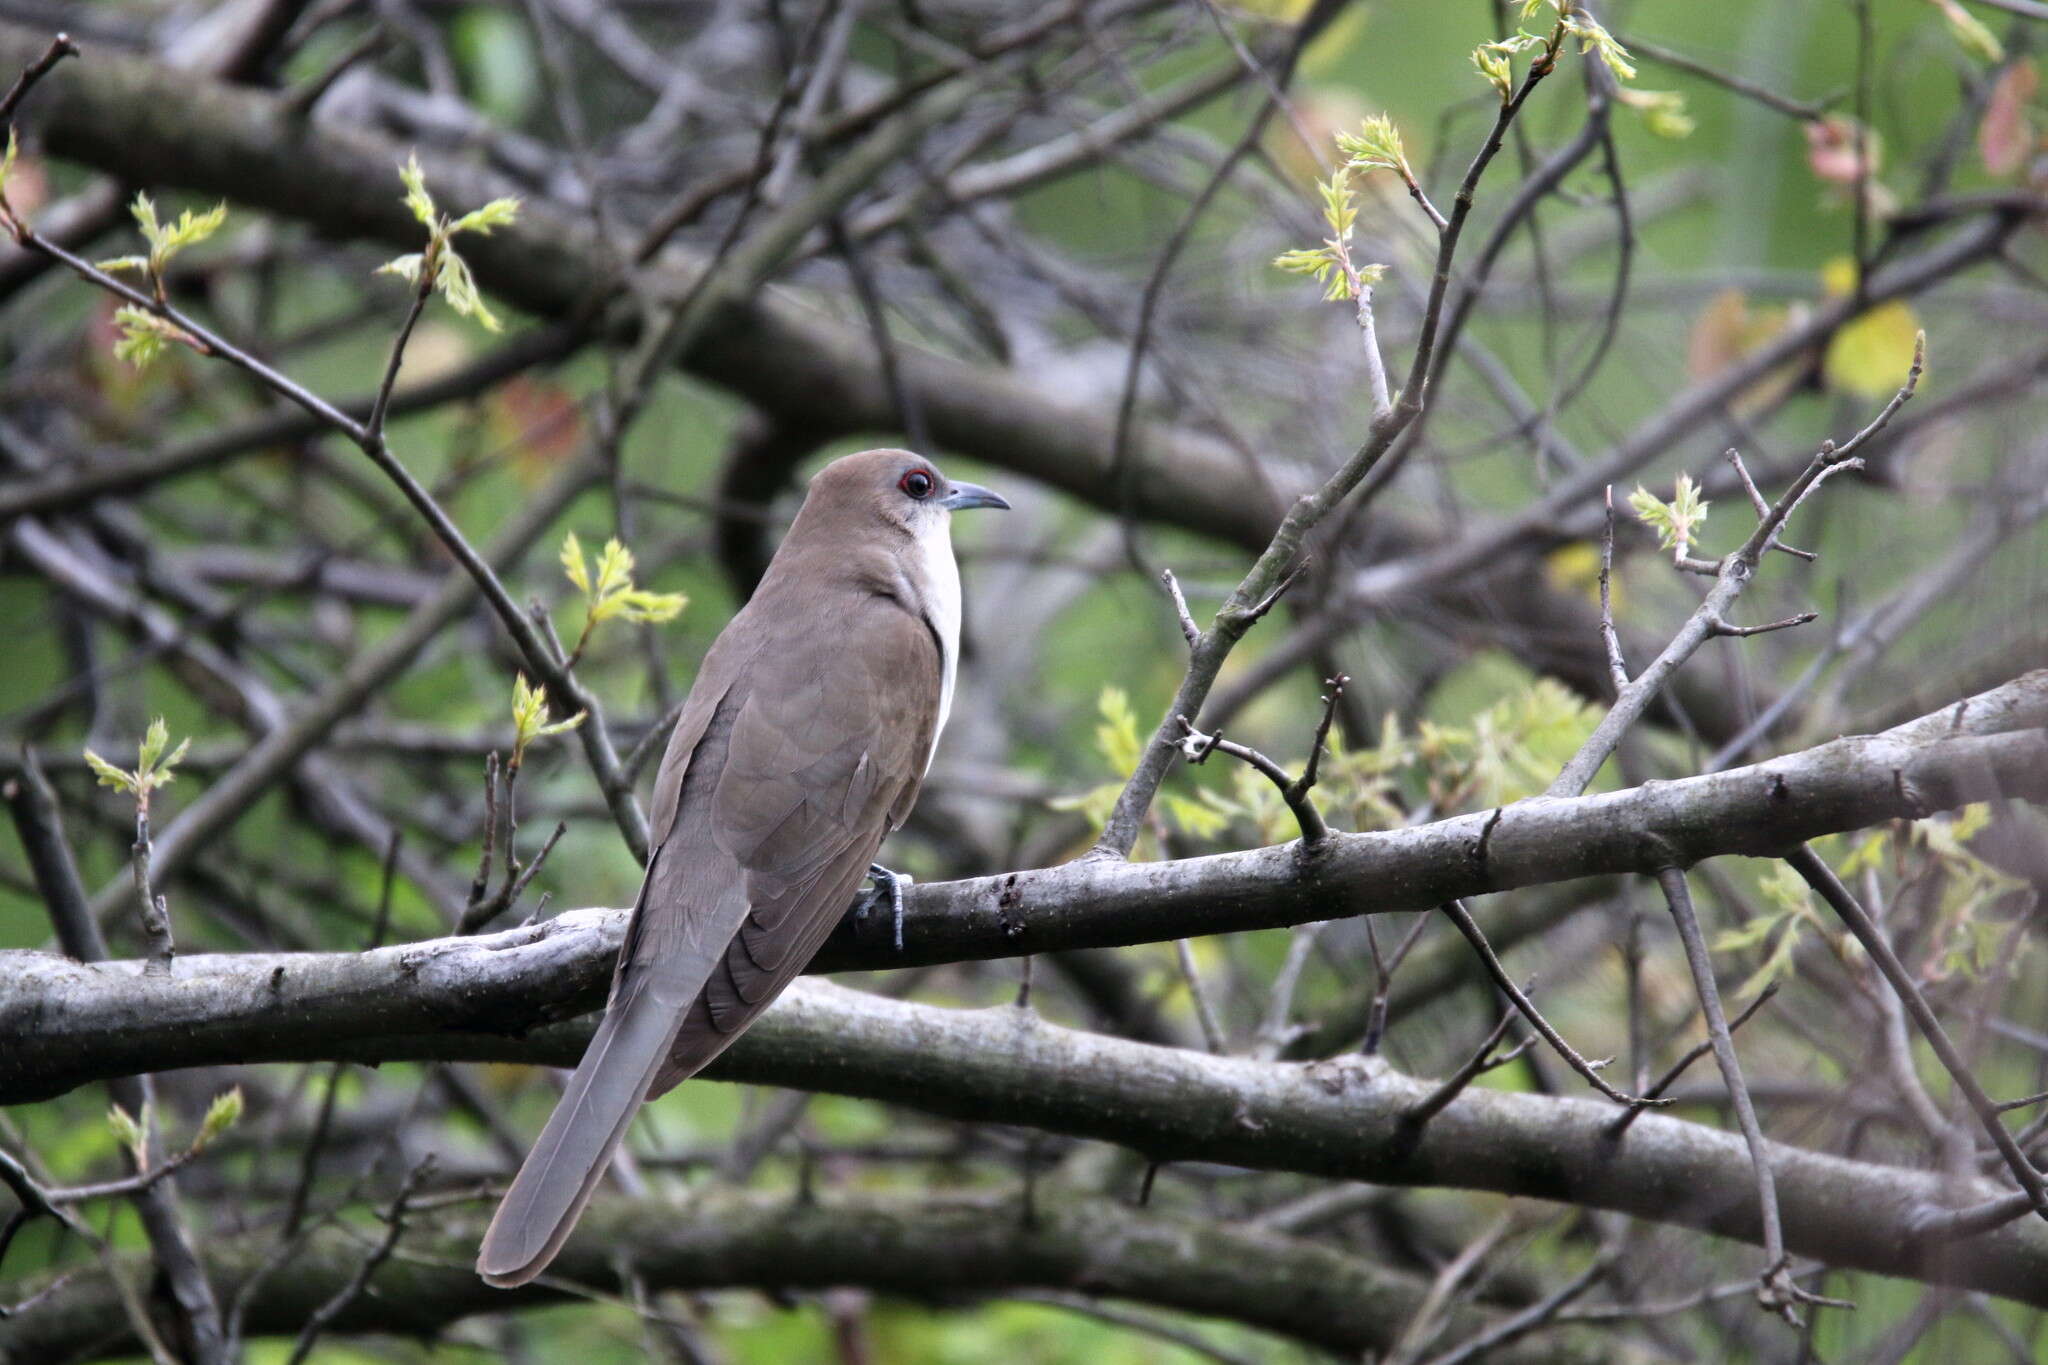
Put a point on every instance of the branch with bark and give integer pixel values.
(79, 1022)
(942, 1249)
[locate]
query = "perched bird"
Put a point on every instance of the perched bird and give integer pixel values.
(802, 744)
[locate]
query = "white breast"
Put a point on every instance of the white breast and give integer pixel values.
(942, 600)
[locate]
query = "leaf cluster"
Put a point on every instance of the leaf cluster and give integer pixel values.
(440, 268)
(609, 591)
(1375, 146)
(530, 718)
(165, 239)
(1678, 522)
(1505, 752)
(152, 767)
(133, 1133)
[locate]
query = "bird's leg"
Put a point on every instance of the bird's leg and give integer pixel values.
(887, 885)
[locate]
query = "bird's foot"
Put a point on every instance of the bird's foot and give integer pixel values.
(888, 887)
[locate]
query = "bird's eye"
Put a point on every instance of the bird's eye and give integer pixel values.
(918, 484)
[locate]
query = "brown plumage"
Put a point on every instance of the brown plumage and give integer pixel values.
(803, 744)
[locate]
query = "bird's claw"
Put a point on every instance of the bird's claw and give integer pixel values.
(890, 885)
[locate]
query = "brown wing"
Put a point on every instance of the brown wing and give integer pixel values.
(798, 750)
(691, 904)
(826, 756)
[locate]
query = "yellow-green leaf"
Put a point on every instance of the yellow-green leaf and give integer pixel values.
(416, 197)
(497, 213)
(614, 568)
(1493, 65)
(109, 775)
(459, 287)
(1595, 39)
(221, 1115)
(144, 335)
(1116, 738)
(406, 267)
(572, 563)
(1677, 523)
(652, 607)
(1663, 111)
(1871, 354)
(131, 1133)
(1969, 32)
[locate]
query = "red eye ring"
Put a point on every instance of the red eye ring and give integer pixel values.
(918, 483)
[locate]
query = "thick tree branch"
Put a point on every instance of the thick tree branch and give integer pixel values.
(72, 1023)
(1343, 1120)
(945, 1246)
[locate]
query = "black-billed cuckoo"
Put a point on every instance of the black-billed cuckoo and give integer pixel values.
(803, 743)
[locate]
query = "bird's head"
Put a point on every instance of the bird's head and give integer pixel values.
(903, 490)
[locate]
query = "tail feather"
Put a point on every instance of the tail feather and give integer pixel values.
(570, 1157)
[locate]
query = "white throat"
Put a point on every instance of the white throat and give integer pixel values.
(942, 600)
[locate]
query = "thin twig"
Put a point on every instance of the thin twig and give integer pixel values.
(1281, 561)
(156, 914)
(1802, 110)
(1276, 1032)
(1818, 875)
(1198, 746)
(1383, 981)
(1456, 912)
(60, 47)
(1617, 669)
(1205, 1014)
(1189, 631)
(1692, 1054)
(1332, 695)
(1481, 1061)
(394, 1228)
(1732, 574)
(1776, 1291)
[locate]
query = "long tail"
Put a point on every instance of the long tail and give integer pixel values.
(569, 1159)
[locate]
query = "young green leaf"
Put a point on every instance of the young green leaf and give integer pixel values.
(152, 766)
(1116, 739)
(1493, 65)
(611, 593)
(221, 1115)
(1377, 143)
(416, 197)
(1496, 61)
(497, 213)
(654, 608)
(144, 336)
(1340, 209)
(1677, 523)
(190, 230)
(166, 239)
(1663, 111)
(458, 286)
(405, 267)
(572, 564)
(1969, 32)
(614, 569)
(109, 775)
(131, 1134)
(1595, 39)
(451, 275)
(1322, 263)
(530, 718)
